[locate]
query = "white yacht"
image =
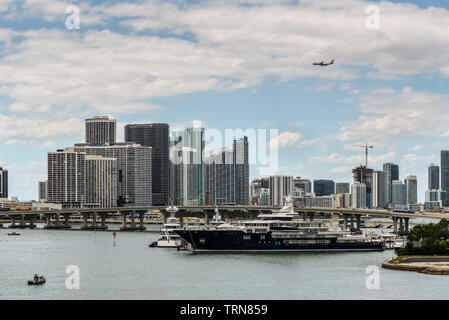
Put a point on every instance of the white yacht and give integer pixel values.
(169, 238)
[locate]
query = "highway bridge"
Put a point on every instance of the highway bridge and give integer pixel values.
(23, 219)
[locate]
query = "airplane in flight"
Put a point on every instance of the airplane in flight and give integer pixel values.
(323, 64)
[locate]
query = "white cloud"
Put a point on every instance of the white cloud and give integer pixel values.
(235, 46)
(389, 114)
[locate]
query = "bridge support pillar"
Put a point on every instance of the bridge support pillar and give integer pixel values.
(401, 225)
(141, 215)
(304, 216)
(103, 225)
(124, 219)
(311, 216)
(132, 226)
(352, 222)
(66, 220)
(358, 222)
(85, 225)
(406, 224)
(22, 221)
(395, 224)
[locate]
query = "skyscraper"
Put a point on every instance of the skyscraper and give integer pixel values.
(411, 183)
(303, 184)
(434, 177)
(378, 188)
(364, 175)
(134, 173)
(220, 178)
(156, 136)
(187, 170)
(280, 187)
(100, 130)
(42, 191)
(399, 193)
(3, 183)
(358, 195)
(66, 178)
(445, 173)
(101, 182)
(240, 160)
(342, 187)
(391, 171)
(323, 187)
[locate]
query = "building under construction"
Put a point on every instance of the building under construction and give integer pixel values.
(364, 175)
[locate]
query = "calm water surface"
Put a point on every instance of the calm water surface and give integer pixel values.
(132, 270)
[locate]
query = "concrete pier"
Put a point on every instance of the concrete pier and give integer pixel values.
(23, 222)
(132, 226)
(57, 225)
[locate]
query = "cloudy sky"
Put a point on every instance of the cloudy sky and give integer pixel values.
(230, 64)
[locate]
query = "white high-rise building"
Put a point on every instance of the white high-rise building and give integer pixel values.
(378, 190)
(134, 169)
(411, 183)
(280, 187)
(66, 178)
(358, 195)
(101, 182)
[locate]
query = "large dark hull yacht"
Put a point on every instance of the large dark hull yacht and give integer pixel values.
(280, 231)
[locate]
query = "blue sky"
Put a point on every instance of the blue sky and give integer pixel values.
(230, 64)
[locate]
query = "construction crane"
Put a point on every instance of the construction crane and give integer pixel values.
(366, 146)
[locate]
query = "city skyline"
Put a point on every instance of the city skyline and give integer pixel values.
(402, 177)
(380, 95)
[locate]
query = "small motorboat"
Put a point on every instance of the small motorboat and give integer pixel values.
(37, 280)
(153, 244)
(14, 234)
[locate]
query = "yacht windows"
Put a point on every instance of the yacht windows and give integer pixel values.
(202, 241)
(246, 237)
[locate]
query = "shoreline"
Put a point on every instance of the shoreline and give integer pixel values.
(432, 265)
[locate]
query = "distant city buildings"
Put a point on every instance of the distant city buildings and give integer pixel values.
(66, 178)
(364, 176)
(281, 186)
(358, 195)
(391, 172)
(101, 182)
(434, 198)
(378, 190)
(42, 191)
(302, 186)
(260, 192)
(3, 183)
(411, 183)
(342, 187)
(433, 177)
(323, 187)
(100, 130)
(187, 167)
(156, 136)
(134, 169)
(445, 173)
(399, 194)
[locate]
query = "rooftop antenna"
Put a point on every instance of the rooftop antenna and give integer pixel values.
(366, 146)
